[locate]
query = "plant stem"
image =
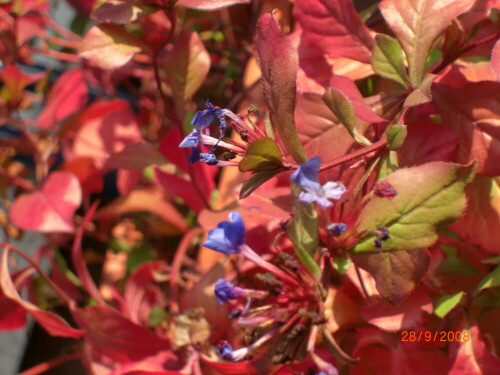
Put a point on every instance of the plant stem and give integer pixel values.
(48, 365)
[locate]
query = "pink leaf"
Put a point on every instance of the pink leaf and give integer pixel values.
(495, 59)
(136, 157)
(111, 334)
(50, 209)
(334, 27)
(279, 62)
(105, 128)
(417, 24)
(68, 95)
(52, 323)
(126, 180)
(209, 4)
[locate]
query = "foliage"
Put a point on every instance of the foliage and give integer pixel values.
(255, 187)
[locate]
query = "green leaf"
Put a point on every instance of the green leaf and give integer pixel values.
(388, 164)
(303, 232)
(342, 107)
(429, 196)
(388, 59)
(447, 303)
(254, 181)
(396, 136)
(342, 264)
(396, 274)
(491, 280)
(278, 62)
(261, 155)
(417, 24)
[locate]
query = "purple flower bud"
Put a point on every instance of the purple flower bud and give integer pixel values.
(229, 236)
(226, 291)
(383, 189)
(337, 229)
(224, 350)
(208, 158)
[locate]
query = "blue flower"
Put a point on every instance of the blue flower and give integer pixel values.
(229, 236)
(226, 291)
(224, 350)
(195, 155)
(306, 176)
(191, 140)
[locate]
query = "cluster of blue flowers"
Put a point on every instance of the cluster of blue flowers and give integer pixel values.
(202, 121)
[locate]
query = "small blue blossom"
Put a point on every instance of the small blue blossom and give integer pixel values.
(306, 176)
(195, 155)
(191, 140)
(208, 158)
(226, 291)
(229, 236)
(337, 229)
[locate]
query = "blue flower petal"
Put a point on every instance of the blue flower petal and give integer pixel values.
(202, 119)
(195, 155)
(226, 291)
(306, 176)
(333, 190)
(307, 197)
(208, 158)
(228, 236)
(191, 140)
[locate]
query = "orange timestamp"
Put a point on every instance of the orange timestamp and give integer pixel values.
(435, 336)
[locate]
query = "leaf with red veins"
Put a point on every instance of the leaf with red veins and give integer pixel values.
(426, 142)
(334, 27)
(51, 208)
(68, 95)
(53, 324)
(104, 129)
(109, 46)
(480, 222)
(396, 274)
(408, 315)
(209, 4)
(473, 114)
(111, 334)
(186, 66)
(417, 23)
(472, 356)
(278, 62)
(495, 59)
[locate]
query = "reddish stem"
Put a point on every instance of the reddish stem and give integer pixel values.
(354, 155)
(48, 365)
(17, 181)
(176, 267)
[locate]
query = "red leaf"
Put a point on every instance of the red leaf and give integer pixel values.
(334, 27)
(52, 323)
(417, 24)
(278, 62)
(141, 295)
(472, 357)
(83, 6)
(68, 95)
(181, 188)
(203, 175)
(12, 315)
(138, 157)
(349, 89)
(495, 59)
(209, 4)
(473, 114)
(126, 181)
(154, 365)
(408, 315)
(426, 142)
(119, 12)
(90, 177)
(111, 334)
(15, 81)
(51, 209)
(105, 128)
